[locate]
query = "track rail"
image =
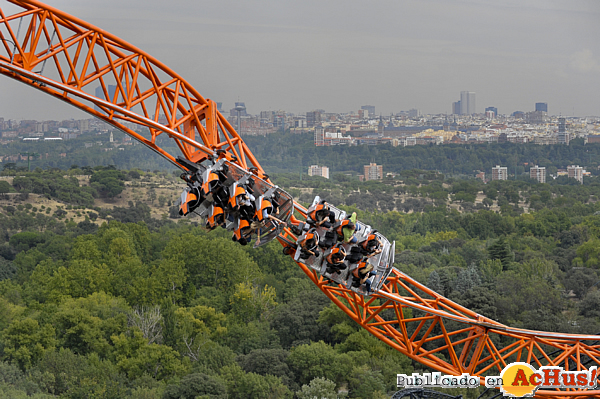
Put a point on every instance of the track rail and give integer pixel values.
(112, 80)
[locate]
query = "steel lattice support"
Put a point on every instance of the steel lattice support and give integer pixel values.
(114, 81)
(110, 79)
(452, 339)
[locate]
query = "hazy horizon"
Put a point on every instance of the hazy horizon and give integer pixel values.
(339, 55)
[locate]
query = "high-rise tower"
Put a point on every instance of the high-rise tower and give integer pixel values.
(467, 103)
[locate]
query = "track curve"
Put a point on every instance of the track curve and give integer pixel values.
(69, 59)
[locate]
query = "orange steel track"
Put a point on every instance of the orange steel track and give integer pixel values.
(69, 59)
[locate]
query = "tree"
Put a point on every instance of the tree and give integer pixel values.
(320, 388)
(149, 321)
(580, 280)
(479, 299)
(7, 269)
(196, 326)
(467, 279)
(169, 280)
(242, 385)
(109, 183)
(248, 302)
(69, 375)
(434, 282)
(318, 359)
(86, 325)
(590, 305)
(588, 253)
(212, 357)
(26, 342)
(195, 386)
(296, 321)
(365, 383)
(501, 251)
(134, 357)
(267, 361)
(205, 268)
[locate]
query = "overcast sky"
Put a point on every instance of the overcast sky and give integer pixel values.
(339, 55)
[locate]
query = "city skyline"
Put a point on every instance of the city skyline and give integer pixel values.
(338, 56)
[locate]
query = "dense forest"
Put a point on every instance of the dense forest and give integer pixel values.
(159, 308)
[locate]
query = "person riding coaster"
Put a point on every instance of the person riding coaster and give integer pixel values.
(216, 217)
(321, 215)
(361, 274)
(335, 259)
(243, 230)
(371, 246)
(213, 188)
(346, 228)
(264, 211)
(190, 199)
(211, 183)
(309, 244)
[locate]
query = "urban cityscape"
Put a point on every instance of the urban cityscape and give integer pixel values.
(365, 127)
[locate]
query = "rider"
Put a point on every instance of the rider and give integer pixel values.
(321, 215)
(265, 210)
(335, 259)
(361, 274)
(346, 229)
(243, 232)
(215, 218)
(371, 246)
(309, 244)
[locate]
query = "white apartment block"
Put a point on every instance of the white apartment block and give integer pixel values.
(499, 173)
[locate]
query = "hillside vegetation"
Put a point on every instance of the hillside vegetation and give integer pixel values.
(104, 295)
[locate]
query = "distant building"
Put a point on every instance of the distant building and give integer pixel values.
(593, 138)
(373, 172)
(499, 173)
(313, 118)
(380, 126)
(536, 117)
(369, 108)
(467, 103)
(456, 108)
(84, 125)
(481, 175)
(575, 172)
(267, 116)
(492, 109)
(562, 125)
(319, 136)
(543, 107)
(413, 113)
(538, 173)
(563, 136)
(315, 170)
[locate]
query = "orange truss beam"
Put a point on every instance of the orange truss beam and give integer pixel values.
(112, 80)
(450, 338)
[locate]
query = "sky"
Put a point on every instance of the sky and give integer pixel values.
(339, 55)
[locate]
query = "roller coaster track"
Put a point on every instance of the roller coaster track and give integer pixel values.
(112, 80)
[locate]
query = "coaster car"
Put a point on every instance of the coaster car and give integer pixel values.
(382, 262)
(225, 194)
